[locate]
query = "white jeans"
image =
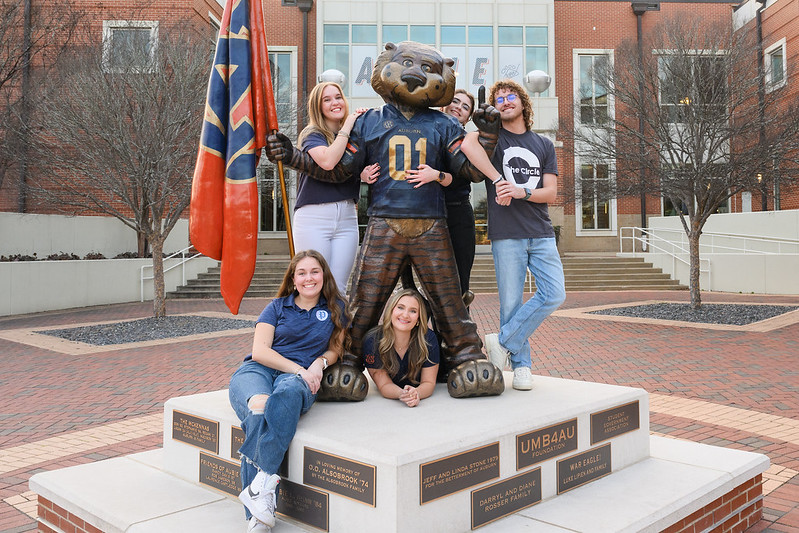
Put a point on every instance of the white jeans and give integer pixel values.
(332, 230)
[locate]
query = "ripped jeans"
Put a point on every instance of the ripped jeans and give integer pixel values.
(267, 436)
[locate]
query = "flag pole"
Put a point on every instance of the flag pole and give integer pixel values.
(271, 117)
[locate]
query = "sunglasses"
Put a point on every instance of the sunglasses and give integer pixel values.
(509, 98)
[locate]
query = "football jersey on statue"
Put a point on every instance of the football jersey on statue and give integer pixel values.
(385, 136)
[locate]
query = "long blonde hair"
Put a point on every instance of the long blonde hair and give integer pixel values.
(330, 291)
(384, 338)
(316, 119)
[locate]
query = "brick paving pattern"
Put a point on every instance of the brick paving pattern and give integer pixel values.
(731, 387)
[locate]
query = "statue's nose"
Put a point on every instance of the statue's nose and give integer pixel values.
(413, 78)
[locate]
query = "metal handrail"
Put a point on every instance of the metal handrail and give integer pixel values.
(184, 258)
(745, 248)
(650, 241)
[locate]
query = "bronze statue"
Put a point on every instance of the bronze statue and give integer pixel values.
(407, 225)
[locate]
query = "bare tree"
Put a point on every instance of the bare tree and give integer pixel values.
(703, 134)
(118, 133)
(32, 37)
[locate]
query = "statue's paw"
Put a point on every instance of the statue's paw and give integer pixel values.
(478, 377)
(343, 383)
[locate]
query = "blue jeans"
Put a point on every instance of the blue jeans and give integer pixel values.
(512, 258)
(267, 436)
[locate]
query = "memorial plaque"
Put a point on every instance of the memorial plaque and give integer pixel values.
(236, 440)
(613, 422)
(458, 472)
(220, 474)
(505, 497)
(584, 467)
(343, 476)
(309, 506)
(199, 432)
(546, 443)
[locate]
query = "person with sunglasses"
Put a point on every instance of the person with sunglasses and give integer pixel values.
(522, 179)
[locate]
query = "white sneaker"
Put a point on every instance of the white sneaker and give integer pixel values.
(254, 526)
(522, 378)
(496, 353)
(260, 497)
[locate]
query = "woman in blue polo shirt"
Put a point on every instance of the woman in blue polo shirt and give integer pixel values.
(402, 353)
(300, 333)
(325, 214)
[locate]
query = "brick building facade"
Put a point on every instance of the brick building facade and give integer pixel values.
(490, 40)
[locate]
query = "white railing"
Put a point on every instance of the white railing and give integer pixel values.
(185, 257)
(649, 242)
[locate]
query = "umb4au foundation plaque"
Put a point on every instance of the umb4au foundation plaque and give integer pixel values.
(346, 477)
(220, 474)
(458, 472)
(197, 431)
(545, 443)
(583, 467)
(613, 422)
(305, 504)
(505, 497)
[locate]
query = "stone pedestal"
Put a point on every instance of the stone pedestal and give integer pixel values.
(567, 456)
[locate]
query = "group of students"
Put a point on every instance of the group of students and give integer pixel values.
(304, 329)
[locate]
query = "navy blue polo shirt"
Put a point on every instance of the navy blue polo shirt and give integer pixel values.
(311, 191)
(372, 357)
(300, 335)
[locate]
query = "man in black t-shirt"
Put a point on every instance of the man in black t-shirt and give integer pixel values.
(522, 180)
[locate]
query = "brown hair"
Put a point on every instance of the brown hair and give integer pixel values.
(510, 85)
(338, 313)
(384, 338)
(316, 119)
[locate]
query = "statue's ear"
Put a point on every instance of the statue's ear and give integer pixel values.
(448, 61)
(391, 46)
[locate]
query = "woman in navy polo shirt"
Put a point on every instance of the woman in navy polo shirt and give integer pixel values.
(402, 353)
(325, 214)
(300, 333)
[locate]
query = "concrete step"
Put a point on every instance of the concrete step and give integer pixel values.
(599, 273)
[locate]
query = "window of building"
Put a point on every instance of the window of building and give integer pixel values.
(592, 94)
(271, 215)
(479, 60)
(595, 197)
(774, 58)
(692, 87)
(129, 45)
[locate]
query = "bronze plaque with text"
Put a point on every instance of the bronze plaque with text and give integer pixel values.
(584, 467)
(343, 476)
(196, 431)
(613, 422)
(309, 506)
(546, 443)
(236, 440)
(458, 472)
(505, 497)
(220, 474)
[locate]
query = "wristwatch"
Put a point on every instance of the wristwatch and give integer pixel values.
(441, 176)
(527, 193)
(324, 363)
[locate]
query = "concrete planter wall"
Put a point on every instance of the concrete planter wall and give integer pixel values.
(33, 286)
(732, 271)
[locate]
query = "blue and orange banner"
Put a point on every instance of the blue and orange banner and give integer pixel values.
(223, 221)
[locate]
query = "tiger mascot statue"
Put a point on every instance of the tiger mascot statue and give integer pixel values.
(407, 225)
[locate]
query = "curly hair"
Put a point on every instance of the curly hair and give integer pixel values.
(338, 313)
(512, 86)
(384, 338)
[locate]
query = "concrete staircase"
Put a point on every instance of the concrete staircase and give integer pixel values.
(583, 273)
